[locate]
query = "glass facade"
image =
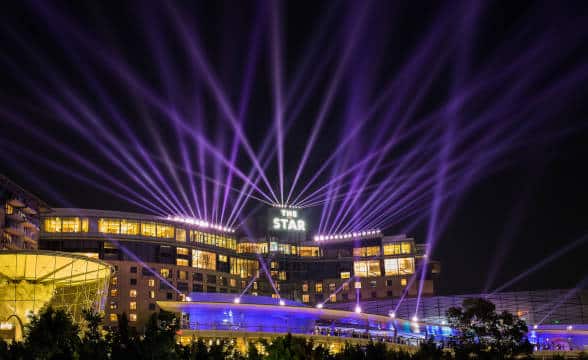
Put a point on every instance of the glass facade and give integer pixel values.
(399, 266)
(203, 259)
(369, 268)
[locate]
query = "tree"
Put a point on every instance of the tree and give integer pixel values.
(123, 345)
(293, 348)
(481, 331)
(94, 346)
(159, 341)
(52, 335)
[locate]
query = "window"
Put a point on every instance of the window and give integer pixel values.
(166, 273)
(374, 294)
(346, 286)
(85, 225)
(366, 251)
(113, 305)
(182, 251)
(70, 224)
(232, 282)
(133, 282)
(305, 287)
(113, 317)
(222, 258)
(400, 266)
(169, 296)
(252, 248)
(182, 275)
(114, 281)
(151, 294)
(203, 260)
(308, 251)
(9, 209)
(245, 268)
(51, 225)
(113, 292)
(148, 229)
(403, 282)
(345, 275)
(333, 298)
(373, 283)
(180, 235)
(165, 231)
(151, 306)
(182, 262)
(391, 249)
(129, 227)
(133, 269)
(389, 282)
(151, 283)
(357, 285)
(369, 268)
(332, 287)
(133, 293)
(282, 275)
(305, 298)
(211, 279)
(109, 226)
(132, 317)
(318, 287)
(405, 248)
(133, 305)
(197, 277)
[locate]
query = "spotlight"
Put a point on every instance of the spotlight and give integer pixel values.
(319, 306)
(392, 314)
(188, 298)
(237, 300)
(443, 322)
(316, 238)
(535, 326)
(357, 309)
(415, 319)
(282, 302)
(569, 327)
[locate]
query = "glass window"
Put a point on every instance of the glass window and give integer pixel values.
(305, 287)
(203, 259)
(332, 287)
(109, 226)
(151, 282)
(308, 251)
(400, 266)
(133, 305)
(232, 282)
(305, 298)
(180, 235)
(113, 281)
(245, 268)
(113, 317)
(345, 275)
(70, 224)
(366, 251)
(151, 294)
(9, 209)
(405, 248)
(148, 229)
(129, 227)
(165, 231)
(132, 317)
(182, 262)
(391, 249)
(85, 225)
(282, 275)
(367, 268)
(333, 298)
(52, 225)
(222, 258)
(318, 287)
(403, 282)
(166, 273)
(133, 293)
(113, 292)
(252, 248)
(182, 275)
(182, 251)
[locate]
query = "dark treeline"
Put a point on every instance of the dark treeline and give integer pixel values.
(53, 335)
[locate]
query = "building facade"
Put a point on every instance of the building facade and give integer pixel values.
(165, 259)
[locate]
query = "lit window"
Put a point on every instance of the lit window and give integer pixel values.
(70, 224)
(366, 251)
(358, 284)
(165, 273)
(345, 286)
(114, 281)
(129, 227)
(273, 246)
(51, 225)
(113, 317)
(109, 226)
(305, 287)
(151, 294)
(151, 283)
(203, 260)
(9, 209)
(182, 262)
(308, 251)
(85, 225)
(255, 285)
(282, 275)
(391, 249)
(232, 282)
(165, 231)
(245, 268)
(369, 268)
(405, 248)
(333, 298)
(345, 275)
(148, 229)
(113, 305)
(182, 251)
(318, 287)
(132, 317)
(180, 235)
(133, 293)
(401, 266)
(222, 258)
(332, 287)
(182, 275)
(305, 298)
(403, 282)
(113, 292)
(133, 305)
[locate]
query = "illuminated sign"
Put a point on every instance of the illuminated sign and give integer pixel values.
(288, 220)
(6, 326)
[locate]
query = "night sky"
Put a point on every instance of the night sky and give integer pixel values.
(70, 68)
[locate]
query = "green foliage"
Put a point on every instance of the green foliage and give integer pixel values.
(484, 333)
(94, 345)
(293, 348)
(52, 335)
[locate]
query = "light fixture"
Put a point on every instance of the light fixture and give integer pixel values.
(237, 300)
(282, 302)
(535, 326)
(392, 314)
(569, 327)
(357, 309)
(415, 319)
(319, 306)
(188, 298)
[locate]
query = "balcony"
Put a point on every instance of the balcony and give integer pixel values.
(16, 203)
